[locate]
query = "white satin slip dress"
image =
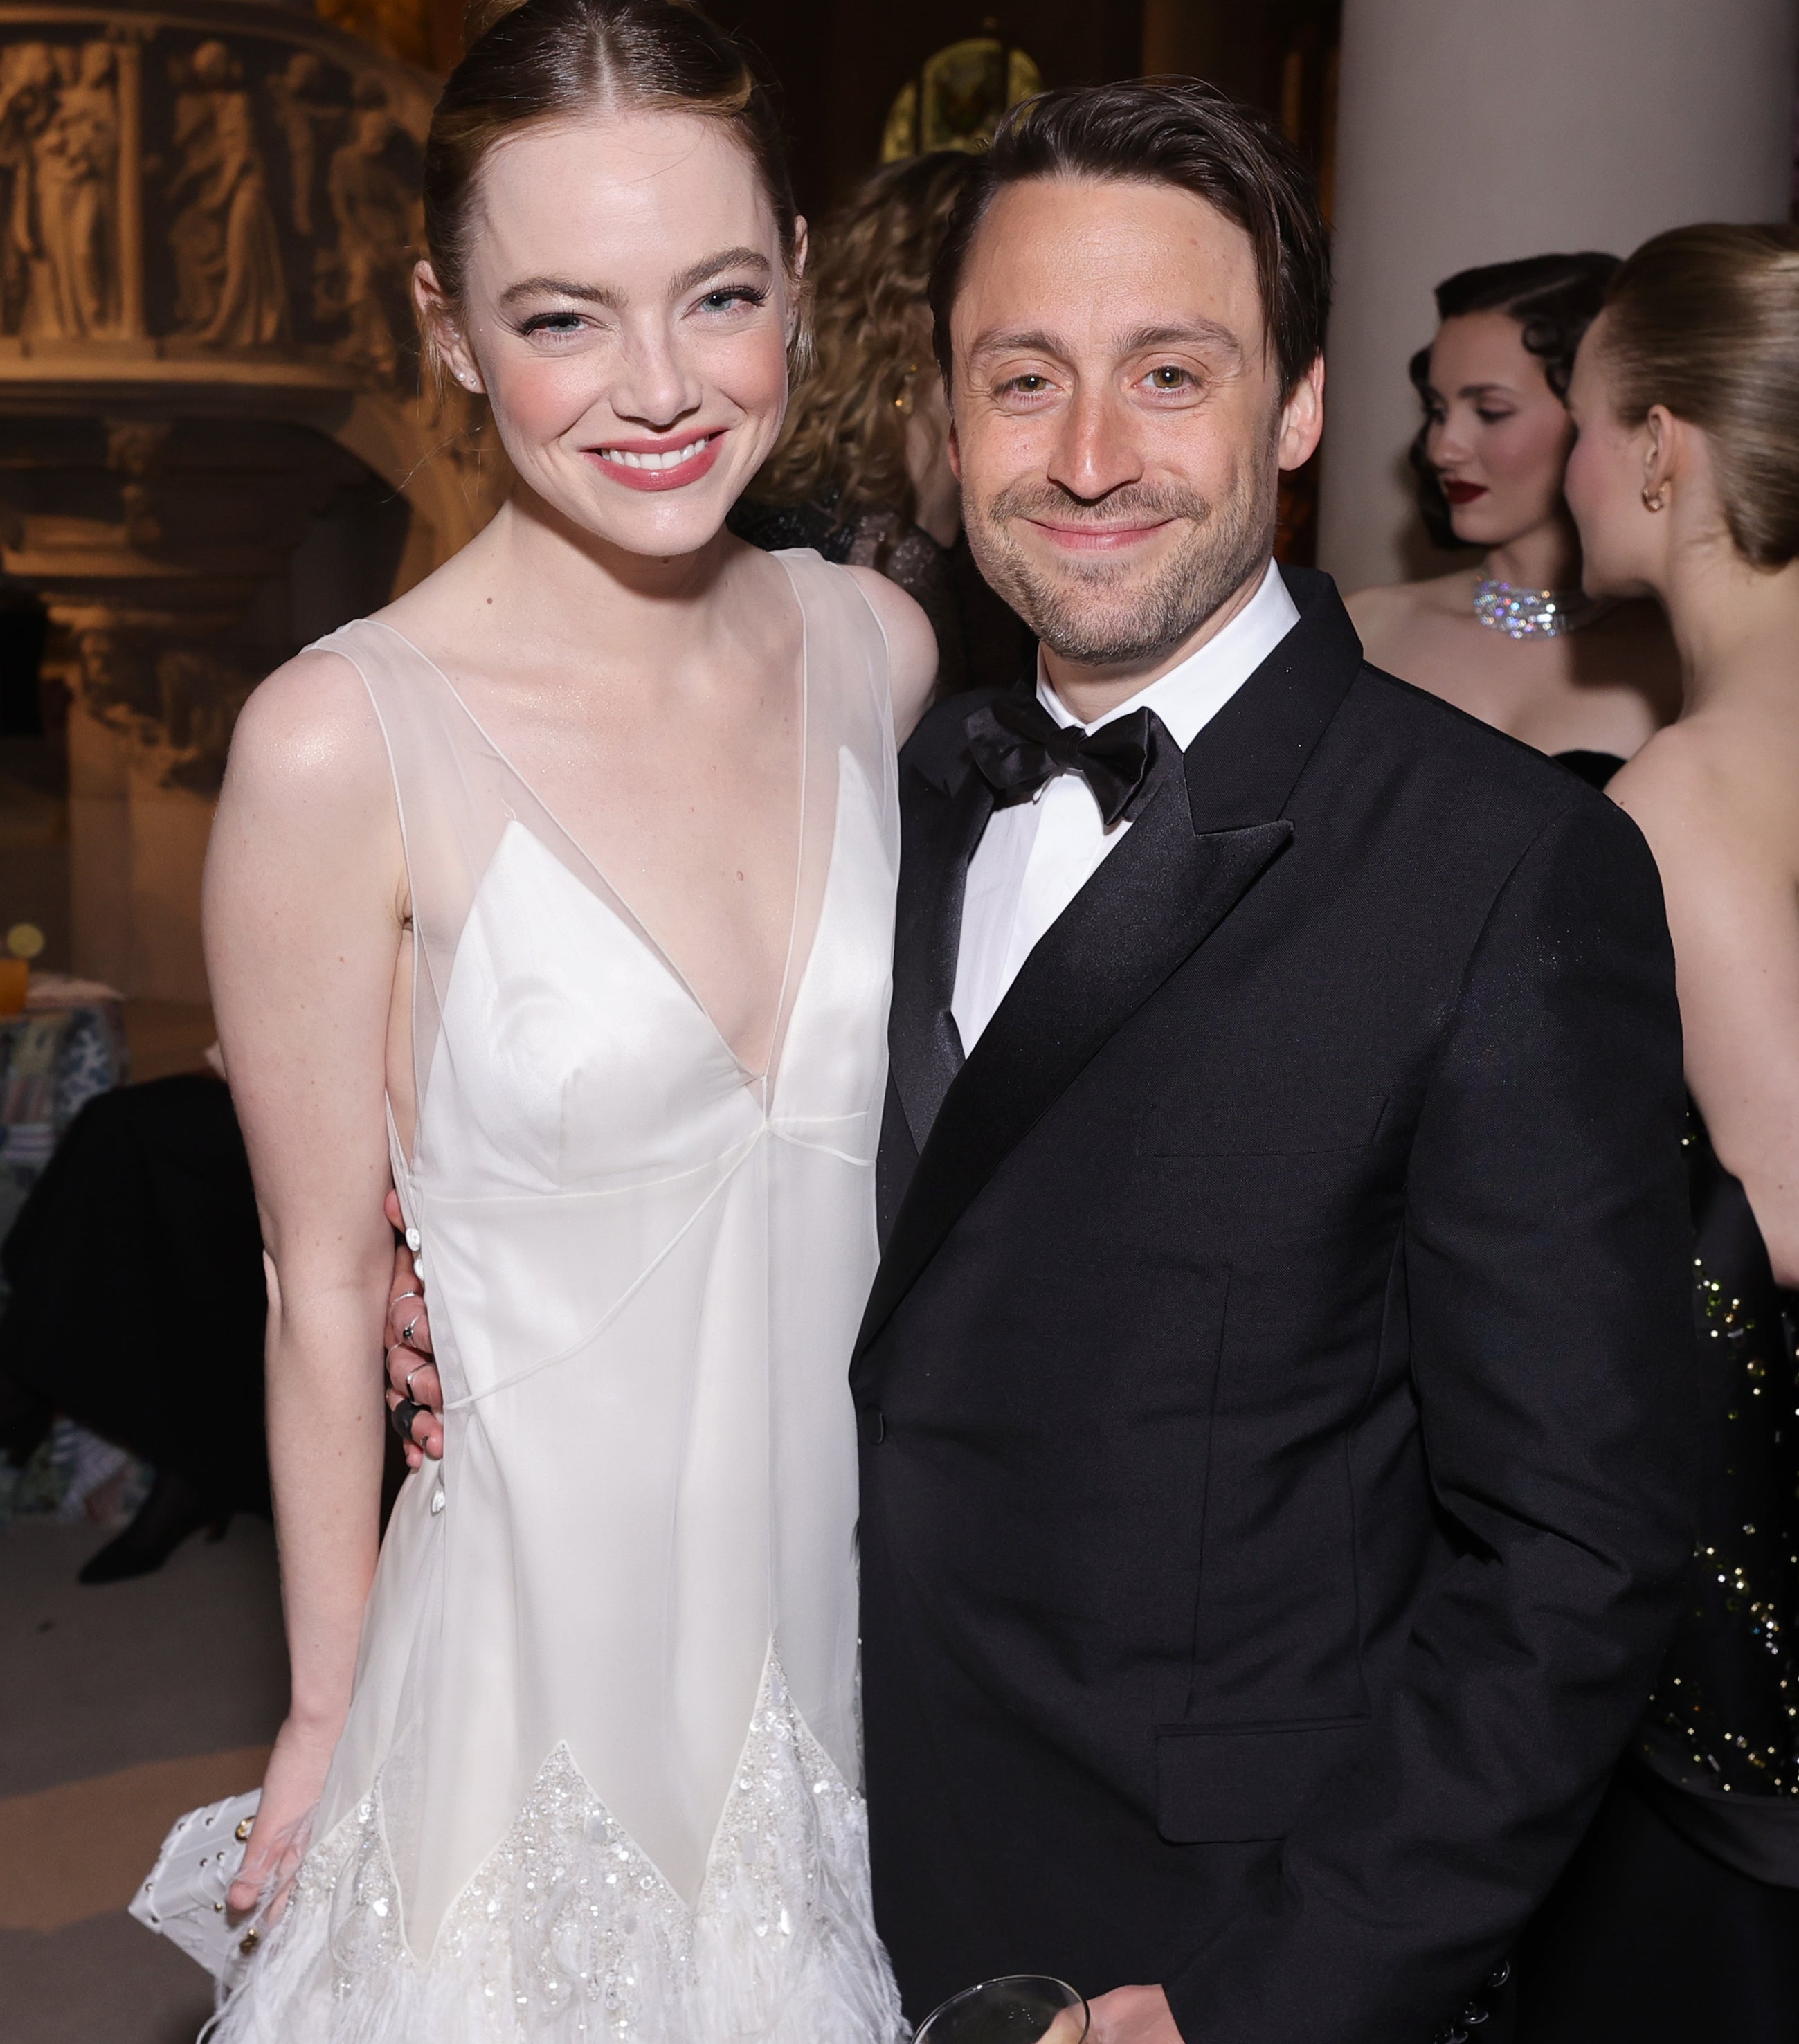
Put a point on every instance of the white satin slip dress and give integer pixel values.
(600, 1779)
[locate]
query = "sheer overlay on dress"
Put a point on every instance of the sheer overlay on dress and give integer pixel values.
(599, 1777)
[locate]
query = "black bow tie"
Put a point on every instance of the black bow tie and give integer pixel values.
(1018, 746)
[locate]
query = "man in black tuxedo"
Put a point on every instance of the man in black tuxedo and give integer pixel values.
(1273, 1396)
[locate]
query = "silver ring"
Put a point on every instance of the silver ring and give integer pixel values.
(406, 1331)
(410, 1374)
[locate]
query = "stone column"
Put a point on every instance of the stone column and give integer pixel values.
(1476, 130)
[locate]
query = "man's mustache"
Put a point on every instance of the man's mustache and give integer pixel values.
(1136, 504)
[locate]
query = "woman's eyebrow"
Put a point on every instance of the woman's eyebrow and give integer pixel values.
(606, 295)
(561, 287)
(729, 258)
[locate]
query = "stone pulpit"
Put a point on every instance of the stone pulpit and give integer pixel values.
(216, 440)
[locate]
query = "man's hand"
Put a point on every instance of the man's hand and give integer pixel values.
(411, 1373)
(1132, 2016)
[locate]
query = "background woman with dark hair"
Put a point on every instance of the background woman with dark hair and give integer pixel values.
(862, 470)
(1513, 641)
(1679, 1919)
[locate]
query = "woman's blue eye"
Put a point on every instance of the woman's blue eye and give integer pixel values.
(745, 294)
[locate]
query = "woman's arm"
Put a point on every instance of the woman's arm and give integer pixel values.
(303, 911)
(1734, 920)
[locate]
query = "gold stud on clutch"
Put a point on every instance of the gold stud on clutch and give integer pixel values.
(249, 1944)
(242, 1830)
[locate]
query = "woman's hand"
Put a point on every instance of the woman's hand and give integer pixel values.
(291, 1788)
(411, 1373)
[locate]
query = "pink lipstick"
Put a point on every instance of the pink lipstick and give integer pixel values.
(671, 461)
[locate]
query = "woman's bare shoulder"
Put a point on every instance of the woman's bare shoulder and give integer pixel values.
(308, 735)
(912, 645)
(1709, 788)
(1403, 604)
(1392, 618)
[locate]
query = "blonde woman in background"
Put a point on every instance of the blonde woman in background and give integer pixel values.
(1679, 1921)
(862, 471)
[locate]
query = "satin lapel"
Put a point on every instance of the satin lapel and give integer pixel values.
(940, 833)
(1147, 909)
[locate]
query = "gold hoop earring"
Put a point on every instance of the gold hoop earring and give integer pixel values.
(1653, 500)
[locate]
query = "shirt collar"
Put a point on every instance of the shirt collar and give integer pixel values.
(1187, 698)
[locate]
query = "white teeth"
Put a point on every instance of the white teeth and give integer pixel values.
(671, 458)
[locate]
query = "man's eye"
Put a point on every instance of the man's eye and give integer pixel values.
(1169, 376)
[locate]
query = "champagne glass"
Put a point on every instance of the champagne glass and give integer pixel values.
(1023, 2008)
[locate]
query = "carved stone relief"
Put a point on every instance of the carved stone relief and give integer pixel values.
(363, 280)
(208, 220)
(231, 290)
(58, 185)
(283, 187)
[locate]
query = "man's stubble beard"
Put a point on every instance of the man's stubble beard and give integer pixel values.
(1108, 614)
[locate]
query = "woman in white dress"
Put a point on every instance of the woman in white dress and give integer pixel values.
(563, 891)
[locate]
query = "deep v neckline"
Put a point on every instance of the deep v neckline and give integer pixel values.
(607, 894)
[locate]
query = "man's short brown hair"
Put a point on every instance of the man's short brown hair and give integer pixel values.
(1174, 131)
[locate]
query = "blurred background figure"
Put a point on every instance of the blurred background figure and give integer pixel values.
(135, 1308)
(1679, 1919)
(1513, 640)
(862, 471)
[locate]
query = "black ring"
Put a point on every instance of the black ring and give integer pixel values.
(401, 1419)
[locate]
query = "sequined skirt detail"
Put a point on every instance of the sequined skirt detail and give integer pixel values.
(569, 1932)
(1723, 1721)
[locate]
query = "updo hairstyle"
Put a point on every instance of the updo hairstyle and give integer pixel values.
(533, 61)
(1706, 320)
(1554, 298)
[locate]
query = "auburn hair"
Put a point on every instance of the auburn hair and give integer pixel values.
(532, 61)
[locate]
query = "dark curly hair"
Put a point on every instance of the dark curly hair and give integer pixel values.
(1554, 298)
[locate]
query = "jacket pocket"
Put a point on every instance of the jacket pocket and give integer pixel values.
(1244, 1783)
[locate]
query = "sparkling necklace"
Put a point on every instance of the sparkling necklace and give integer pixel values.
(1533, 613)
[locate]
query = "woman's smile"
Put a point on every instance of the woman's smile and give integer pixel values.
(669, 462)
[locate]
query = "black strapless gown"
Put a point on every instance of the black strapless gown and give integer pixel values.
(1677, 1921)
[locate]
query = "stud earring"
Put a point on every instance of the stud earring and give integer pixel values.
(1653, 500)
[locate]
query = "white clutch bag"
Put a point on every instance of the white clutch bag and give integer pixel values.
(183, 1900)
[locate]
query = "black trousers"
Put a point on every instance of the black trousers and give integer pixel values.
(1647, 1939)
(138, 1299)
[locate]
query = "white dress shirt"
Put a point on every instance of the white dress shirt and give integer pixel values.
(1035, 857)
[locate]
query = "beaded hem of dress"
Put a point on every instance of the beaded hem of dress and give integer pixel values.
(568, 1930)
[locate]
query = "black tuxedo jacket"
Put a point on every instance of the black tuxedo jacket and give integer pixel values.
(1274, 1395)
